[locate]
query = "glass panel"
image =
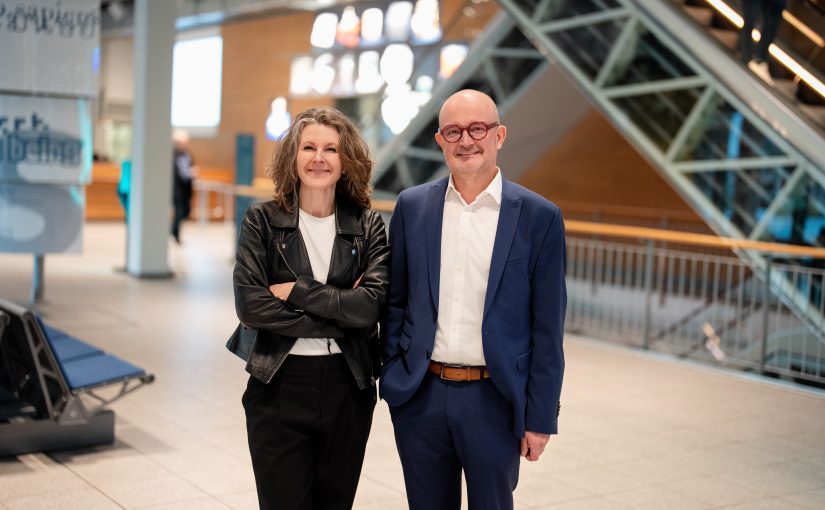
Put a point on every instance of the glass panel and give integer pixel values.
(422, 170)
(559, 9)
(573, 8)
(588, 46)
(724, 133)
(390, 180)
(660, 115)
(425, 139)
(651, 61)
(742, 195)
(801, 218)
(511, 72)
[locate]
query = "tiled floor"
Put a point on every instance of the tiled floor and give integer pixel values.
(637, 430)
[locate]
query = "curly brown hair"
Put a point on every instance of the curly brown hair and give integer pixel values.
(356, 163)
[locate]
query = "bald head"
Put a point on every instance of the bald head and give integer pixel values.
(180, 138)
(471, 157)
(470, 101)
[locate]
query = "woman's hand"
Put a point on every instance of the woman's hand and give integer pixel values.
(281, 290)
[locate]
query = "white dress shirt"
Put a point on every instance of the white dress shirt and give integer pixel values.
(468, 232)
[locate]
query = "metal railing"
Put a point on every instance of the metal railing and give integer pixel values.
(224, 194)
(712, 308)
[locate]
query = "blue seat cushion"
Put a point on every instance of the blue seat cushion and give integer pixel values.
(97, 370)
(52, 334)
(64, 346)
(84, 365)
(67, 348)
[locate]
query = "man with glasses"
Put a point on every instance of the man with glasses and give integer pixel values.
(473, 358)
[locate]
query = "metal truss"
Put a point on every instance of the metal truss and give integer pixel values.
(751, 168)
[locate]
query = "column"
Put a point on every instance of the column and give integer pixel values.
(151, 195)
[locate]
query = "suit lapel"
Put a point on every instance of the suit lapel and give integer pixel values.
(505, 231)
(435, 215)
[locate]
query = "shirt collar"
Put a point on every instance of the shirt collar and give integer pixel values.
(493, 190)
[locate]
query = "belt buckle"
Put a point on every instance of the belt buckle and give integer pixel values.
(459, 367)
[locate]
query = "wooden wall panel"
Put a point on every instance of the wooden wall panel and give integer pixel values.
(594, 168)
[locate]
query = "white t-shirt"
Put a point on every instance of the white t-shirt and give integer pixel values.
(318, 235)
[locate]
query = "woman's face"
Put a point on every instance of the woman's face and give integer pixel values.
(318, 163)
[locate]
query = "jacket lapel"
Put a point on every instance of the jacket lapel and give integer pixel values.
(293, 248)
(505, 231)
(344, 253)
(290, 246)
(295, 254)
(435, 215)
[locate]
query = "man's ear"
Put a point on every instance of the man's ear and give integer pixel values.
(501, 134)
(439, 140)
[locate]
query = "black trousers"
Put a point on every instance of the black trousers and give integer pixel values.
(183, 208)
(307, 431)
(770, 12)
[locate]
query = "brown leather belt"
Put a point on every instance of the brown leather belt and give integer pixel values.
(458, 372)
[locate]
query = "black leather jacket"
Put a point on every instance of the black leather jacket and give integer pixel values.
(271, 250)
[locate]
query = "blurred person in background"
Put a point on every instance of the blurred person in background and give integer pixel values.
(184, 172)
(770, 14)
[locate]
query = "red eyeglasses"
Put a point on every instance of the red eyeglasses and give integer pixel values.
(476, 130)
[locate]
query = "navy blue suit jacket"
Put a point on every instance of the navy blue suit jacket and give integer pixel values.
(524, 307)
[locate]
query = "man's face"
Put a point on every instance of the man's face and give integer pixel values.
(468, 157)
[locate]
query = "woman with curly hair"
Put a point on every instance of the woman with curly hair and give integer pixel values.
(311, 276)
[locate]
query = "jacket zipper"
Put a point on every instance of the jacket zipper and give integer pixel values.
(281, 244)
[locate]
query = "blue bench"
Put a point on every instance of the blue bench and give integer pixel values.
(54, 387)
(84, 366)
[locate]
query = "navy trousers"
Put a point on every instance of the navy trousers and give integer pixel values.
(447, 427)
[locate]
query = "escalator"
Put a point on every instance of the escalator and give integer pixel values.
(747, 160)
